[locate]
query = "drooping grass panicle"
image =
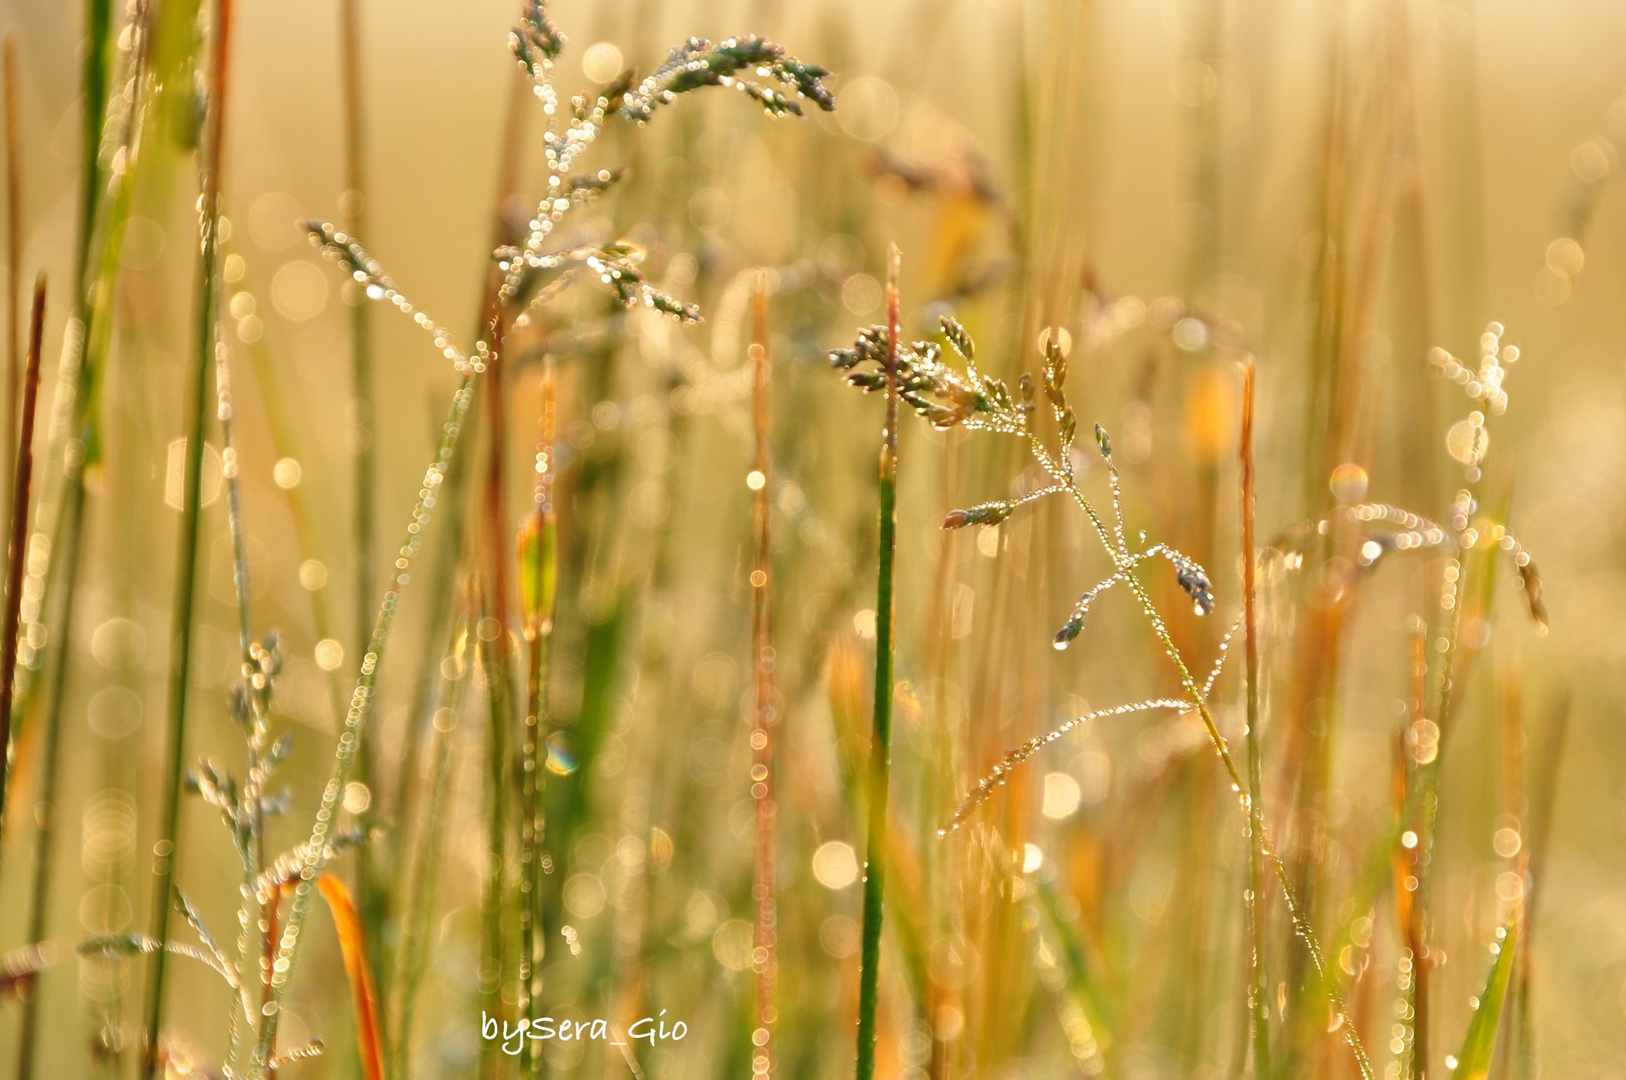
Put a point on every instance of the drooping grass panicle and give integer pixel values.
(1000, 774)
(537, 43)
(936, 391)
(697, 63)
(950, 407)
(378, 285)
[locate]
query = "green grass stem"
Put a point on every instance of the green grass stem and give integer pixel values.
(880, 750)
(166, 850)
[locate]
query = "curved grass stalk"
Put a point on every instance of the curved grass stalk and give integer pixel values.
(1000, 774)
(1300, 919)
(313, 856)
(997, 777)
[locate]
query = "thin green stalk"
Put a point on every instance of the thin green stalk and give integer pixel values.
(880, 751)
(538, 596)
(19, 535)
(165, 851)
(361, 391)
(371, 896)
(494, 901)
(424, 876)
(1258, 980)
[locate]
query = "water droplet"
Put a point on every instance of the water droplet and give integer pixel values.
(562, 757)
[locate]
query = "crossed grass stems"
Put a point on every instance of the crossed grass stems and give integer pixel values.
(531, 275)
(946, 397)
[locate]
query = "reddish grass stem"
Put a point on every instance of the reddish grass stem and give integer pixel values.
(1257, 980)
(19, 533)
(14, 247)
(762, 661)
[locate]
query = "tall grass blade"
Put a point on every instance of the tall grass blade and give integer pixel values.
(1473, 1061)
(353, 947)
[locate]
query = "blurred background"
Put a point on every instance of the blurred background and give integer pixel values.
(1333, 188)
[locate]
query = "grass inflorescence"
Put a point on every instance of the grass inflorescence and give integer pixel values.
(910, 739)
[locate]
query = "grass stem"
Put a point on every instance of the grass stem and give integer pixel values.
(180, 660)
(880, 750)
(1258, 980)
(19, 535)
(542, 573)
(14, 250)
(765, 928)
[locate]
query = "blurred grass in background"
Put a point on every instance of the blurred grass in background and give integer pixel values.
(1334, 188)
